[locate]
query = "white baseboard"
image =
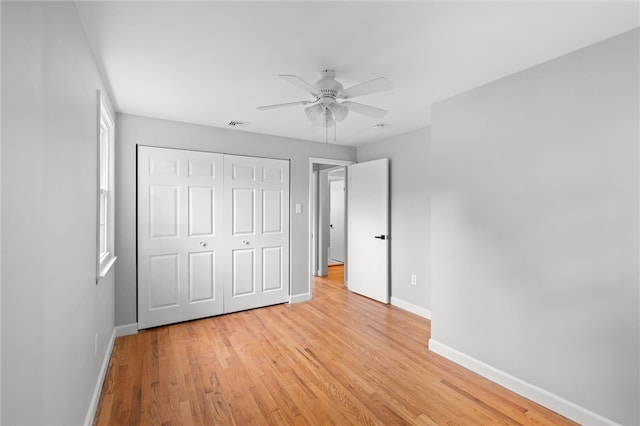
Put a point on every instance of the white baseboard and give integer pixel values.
(553, 402)
(127, 329)
(97, 391)
(424, 313)
(297, 298)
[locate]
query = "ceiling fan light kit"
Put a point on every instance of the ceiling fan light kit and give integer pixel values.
(326, 110)
(320, 116)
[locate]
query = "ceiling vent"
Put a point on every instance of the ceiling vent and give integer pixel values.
(234, 123)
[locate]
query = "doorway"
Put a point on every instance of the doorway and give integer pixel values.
(337, 216)
(328, 245)
(366, 257)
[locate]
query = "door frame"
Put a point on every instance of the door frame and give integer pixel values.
(322, 219)
(313, 210)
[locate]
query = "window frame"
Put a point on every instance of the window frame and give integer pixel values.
(105, 206)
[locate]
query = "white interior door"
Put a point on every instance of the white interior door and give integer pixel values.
(368, 229)
(179, 219)
(257, 256)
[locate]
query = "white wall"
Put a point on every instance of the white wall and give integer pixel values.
(132, 130)
(535, 222)
(409, 175)
(51, 305)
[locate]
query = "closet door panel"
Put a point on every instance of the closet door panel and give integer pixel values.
(258, 224)
(179, 213)
(213, 234)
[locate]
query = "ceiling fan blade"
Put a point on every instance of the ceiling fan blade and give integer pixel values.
(287, 104)
(373, 86)
(300, 83)
(367, 110)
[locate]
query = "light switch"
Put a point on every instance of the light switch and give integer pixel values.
(298, 208)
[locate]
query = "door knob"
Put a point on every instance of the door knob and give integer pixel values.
(246, 242)
(381, 237)
(203, 244)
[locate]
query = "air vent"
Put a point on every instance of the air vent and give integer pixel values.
(234, 123)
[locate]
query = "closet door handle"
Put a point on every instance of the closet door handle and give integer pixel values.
(381, 237)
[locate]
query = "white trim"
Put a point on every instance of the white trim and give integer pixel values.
(331, 161)
(532, 392)
(105, 261)
(127, 329)
(106, 266)
(297, 298)
(414, 309)
(97, 391)
(123, 330)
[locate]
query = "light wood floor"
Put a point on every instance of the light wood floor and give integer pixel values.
(338, 359)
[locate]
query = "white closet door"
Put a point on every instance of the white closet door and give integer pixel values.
(256, 198)
(180, 217)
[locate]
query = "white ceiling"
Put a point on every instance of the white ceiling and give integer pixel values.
(212, 62)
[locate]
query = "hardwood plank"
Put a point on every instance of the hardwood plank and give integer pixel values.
(337, 359)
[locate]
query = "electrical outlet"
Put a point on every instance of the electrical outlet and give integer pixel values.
(414, 279)
(95, 345)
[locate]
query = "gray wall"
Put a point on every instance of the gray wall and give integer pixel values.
(337, 218)
(324, 217)
(409, 175)
(51, 305)
(535, 194)
(132, 130)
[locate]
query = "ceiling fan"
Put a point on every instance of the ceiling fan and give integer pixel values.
(325, 110)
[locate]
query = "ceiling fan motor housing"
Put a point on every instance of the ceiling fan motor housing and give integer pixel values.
(328, 87)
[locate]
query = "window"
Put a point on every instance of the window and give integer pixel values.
(105, 252)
